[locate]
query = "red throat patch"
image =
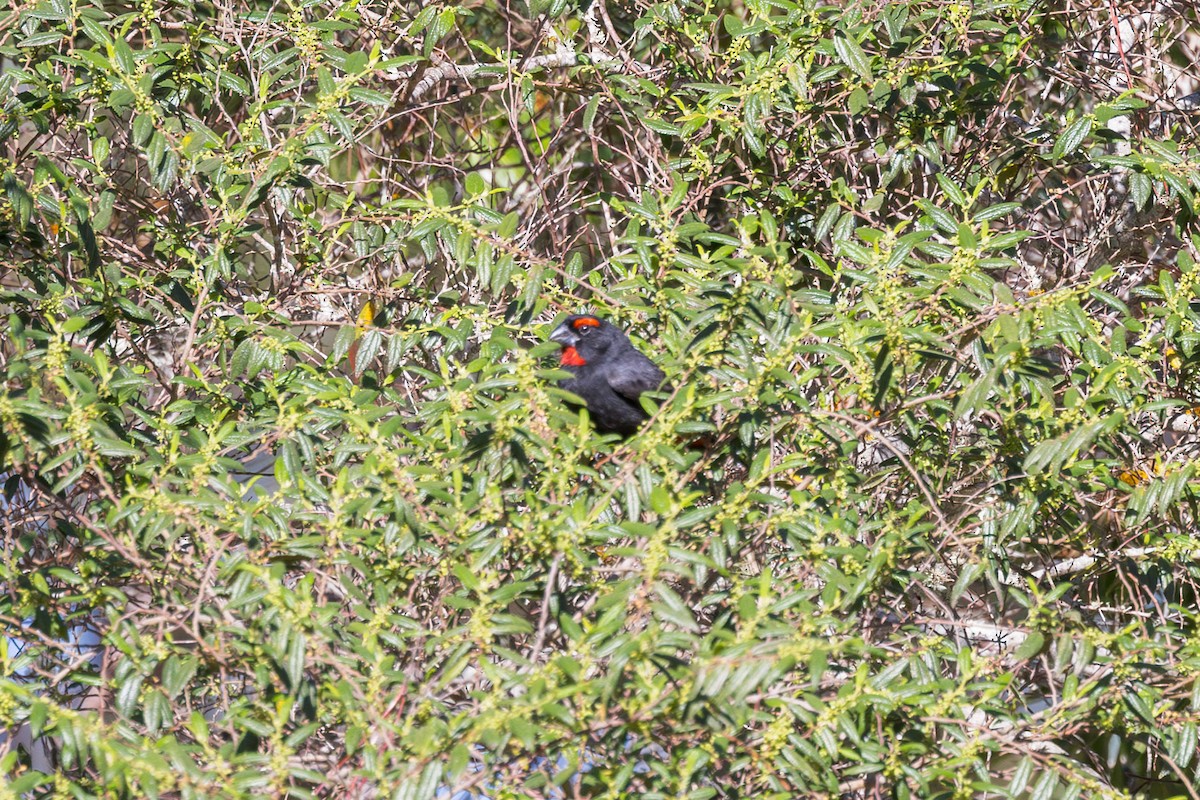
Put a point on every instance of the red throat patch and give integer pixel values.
(570, 358)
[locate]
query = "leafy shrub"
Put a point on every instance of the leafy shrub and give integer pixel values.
(294, 507)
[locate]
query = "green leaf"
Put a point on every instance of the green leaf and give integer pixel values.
(1030, 647)
(672, 609)
(41, 39)
(1140, 189)
(143, 127)
(295, 658)
(589, 112)
(356, 62)
(952, 190)
(1073, 136)
(127, 694)
(95, 31)
(852, 55)
(122, 56)
(1044, 788)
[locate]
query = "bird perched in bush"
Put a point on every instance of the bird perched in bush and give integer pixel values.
(610, 374)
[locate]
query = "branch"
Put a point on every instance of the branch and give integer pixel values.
(564, 55)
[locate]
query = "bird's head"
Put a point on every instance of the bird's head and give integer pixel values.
(585, 339)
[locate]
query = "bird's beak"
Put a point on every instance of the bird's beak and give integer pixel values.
(565, 336)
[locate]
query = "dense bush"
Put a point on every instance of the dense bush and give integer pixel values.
(293, 506)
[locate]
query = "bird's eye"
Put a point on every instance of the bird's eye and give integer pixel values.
(584, 331)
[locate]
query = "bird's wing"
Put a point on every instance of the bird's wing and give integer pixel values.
(633, 374)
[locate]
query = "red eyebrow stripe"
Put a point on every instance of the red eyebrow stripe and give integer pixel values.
(586, 322)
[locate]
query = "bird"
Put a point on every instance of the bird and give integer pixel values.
(608, 372)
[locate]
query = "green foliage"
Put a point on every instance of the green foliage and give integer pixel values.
(279, 431)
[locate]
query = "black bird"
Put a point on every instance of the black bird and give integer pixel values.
(610, 374)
